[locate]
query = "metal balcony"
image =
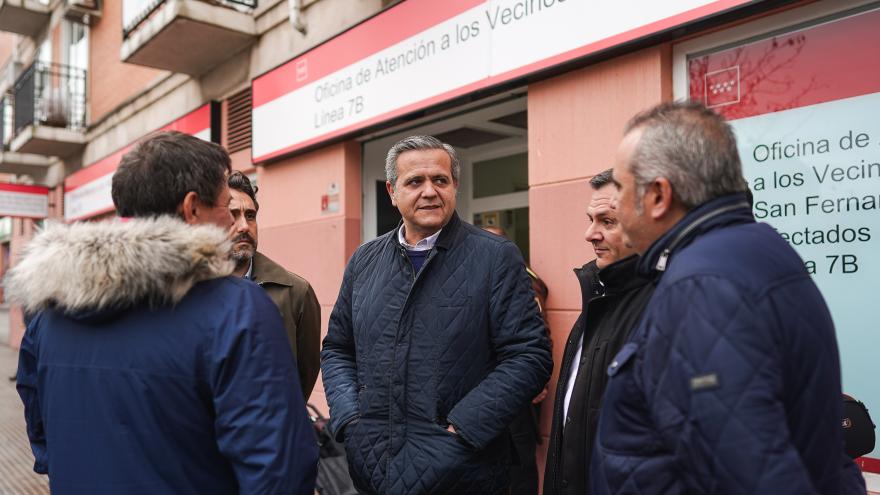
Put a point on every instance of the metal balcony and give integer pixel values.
(186, 36)
(27, 17)
(36, 166)
(49, 110)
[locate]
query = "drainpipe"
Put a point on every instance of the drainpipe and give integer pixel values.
(296, 16)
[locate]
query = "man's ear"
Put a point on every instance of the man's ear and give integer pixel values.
(189, 208)
(659, 199)
(390, 188)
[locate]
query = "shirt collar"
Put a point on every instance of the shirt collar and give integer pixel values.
(250, 272)
(424, 245)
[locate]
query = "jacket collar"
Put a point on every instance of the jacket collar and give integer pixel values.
(720, 212)
(616, 278)
(589, 281)
(447, 235)
(267, 271)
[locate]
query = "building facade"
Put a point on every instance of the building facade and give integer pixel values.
(308, 95)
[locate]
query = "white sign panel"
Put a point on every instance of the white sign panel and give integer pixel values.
(422, 52)
(24, 201)
(89, 199)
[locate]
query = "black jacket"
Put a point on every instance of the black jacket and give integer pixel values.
(613, 300)
(460, 342)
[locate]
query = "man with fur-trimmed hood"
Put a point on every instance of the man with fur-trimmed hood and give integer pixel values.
(146, 368)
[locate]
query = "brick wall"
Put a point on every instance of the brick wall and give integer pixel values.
(111, 82)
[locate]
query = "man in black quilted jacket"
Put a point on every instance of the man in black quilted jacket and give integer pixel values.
(613, 298)
(730, 383)
(435, 342)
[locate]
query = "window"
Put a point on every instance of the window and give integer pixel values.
(76, 58)
(803, 100)
(76, 44)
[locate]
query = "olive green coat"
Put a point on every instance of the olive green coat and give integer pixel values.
(301, 314)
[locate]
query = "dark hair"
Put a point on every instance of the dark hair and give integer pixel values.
(156, 175)
(240, 182)
(601, 179)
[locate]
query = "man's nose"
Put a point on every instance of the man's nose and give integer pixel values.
(592, 234)
(239, 224)
(428, 189)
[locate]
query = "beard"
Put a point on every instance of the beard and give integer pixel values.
(244, 254)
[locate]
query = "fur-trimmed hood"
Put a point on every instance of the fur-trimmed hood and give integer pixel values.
(93, 267)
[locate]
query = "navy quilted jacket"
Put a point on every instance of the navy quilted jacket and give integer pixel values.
(731, 381)
(462, 342)
(126, 391)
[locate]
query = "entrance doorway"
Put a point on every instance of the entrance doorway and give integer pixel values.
(492, 143)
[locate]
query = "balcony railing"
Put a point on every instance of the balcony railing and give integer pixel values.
(51, 95)
(135, 12)
(5, 122)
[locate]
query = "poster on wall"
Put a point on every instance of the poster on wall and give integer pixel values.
(87, 192)
(804, 106)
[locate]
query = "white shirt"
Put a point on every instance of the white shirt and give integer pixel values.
(250, 273)
(575, 365)
(424, 245)
(572, 376)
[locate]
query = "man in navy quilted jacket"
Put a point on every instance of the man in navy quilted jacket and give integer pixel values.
(435, 342)
(730, 383)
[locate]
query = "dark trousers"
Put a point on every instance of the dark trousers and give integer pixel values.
(524, 470)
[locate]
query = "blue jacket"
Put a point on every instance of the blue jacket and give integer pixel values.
(731, 381)
(406, 354)
(144, 373)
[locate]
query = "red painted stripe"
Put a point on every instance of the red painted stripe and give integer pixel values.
(22, 188)
(595, 47)
(869, 464)
(192, 123)
(396, 24)
(102, 167)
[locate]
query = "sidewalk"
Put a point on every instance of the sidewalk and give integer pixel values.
(16, 461)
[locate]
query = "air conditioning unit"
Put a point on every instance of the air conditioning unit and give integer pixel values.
(83, 11)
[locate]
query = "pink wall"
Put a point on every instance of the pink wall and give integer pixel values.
(297, 234)
(575, 124)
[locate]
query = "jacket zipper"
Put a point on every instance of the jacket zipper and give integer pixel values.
(560, 399)
(415, 278)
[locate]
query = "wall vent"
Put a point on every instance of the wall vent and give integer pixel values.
(238, 122)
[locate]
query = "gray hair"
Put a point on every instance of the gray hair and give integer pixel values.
(691, 146)
(601, 179)
(414, 143)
